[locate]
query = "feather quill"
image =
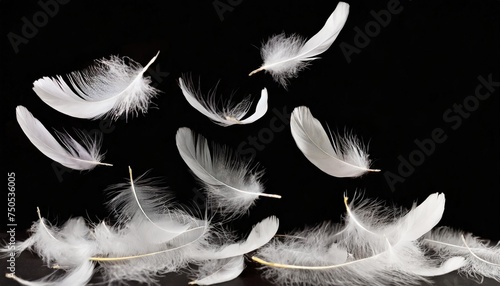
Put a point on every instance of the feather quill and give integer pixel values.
(72, 154)
(218, 271)
(231, 114)
(482, 258)
(372, 248)
(110, 88)
(285, 56)
(340, 157)
(231, 185)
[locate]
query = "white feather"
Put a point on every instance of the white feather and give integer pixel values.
(482, 258)
(231, 113)
(65, 247)
(230, 183)
(72, 154)
(146, 210)
(285, 56)
(78, 276)
(261, 234)
(340, 157)
(373, 248)
(218, 271)
(110, 88)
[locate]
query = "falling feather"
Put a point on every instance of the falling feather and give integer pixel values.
(232, 186)
(218, 271)
(482, 257)
(110, 88)
(285, 56)
(231, 113)
(372, 248)
(71, 154)
(340, 157)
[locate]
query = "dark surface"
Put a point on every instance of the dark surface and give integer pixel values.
(395, 91)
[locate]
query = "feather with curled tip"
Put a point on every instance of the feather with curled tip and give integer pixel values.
(231, 114)
(230, 183)
(218, 271)
(71, 154)
(110, 88)
(340, 157)
(372, 248)
(78, 276)
(482, 258)
(285, 56)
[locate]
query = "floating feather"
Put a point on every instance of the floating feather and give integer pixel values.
(231, 113)
(230, 183)
(285, 56)
(71, 154)
(110, 88)
(340, 157)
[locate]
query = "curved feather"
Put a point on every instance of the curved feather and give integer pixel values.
(72, 154)
(229, 182)
(109, 88)
(231, 113)
(146, 209)
(342, 157)
(285, 56)
(261, 234)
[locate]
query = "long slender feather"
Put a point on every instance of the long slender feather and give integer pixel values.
(231, 185)
(231, 113)
(218, 271)
(71, 154)
(285, 56)
(110, 88)
(340, 157)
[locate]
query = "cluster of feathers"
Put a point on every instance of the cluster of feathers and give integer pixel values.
(151, 235)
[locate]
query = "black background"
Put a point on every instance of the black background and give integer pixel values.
(394, 91)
